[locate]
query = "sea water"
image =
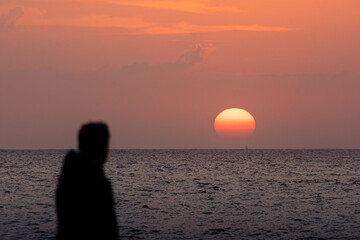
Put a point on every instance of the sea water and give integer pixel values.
(197, 194)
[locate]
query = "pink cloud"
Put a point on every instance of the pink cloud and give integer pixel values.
(10, 19)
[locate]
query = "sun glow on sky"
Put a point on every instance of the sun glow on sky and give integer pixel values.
(157, 70)
(234, 122)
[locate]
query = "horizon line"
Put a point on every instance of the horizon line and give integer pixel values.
(117, 149)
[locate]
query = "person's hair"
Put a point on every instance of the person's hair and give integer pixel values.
(94, 138)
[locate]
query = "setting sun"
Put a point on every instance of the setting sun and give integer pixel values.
(234, 122)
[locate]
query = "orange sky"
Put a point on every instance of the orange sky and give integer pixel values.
(160, 71)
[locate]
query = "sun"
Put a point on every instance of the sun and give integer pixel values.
(234, 123)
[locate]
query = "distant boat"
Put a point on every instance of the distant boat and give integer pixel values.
(246, 148)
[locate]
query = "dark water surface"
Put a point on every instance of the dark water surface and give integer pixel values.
(197, 194)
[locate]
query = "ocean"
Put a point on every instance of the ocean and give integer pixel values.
(197, 194)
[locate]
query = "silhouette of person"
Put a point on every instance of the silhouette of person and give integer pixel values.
(84, 198)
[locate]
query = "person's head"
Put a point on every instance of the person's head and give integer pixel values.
(94, 141)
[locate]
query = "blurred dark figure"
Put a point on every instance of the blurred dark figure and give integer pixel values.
(84, 199)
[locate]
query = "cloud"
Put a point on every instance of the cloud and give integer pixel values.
(36, 17)
(195, 55)
(10, 19)
(185, 28)
(182, 6)
(103, 21)
(186, 60)
(133, 25)
(138, 26)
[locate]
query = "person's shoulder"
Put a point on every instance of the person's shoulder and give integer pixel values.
(72, 154)
(70, 164)
(71, 158)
